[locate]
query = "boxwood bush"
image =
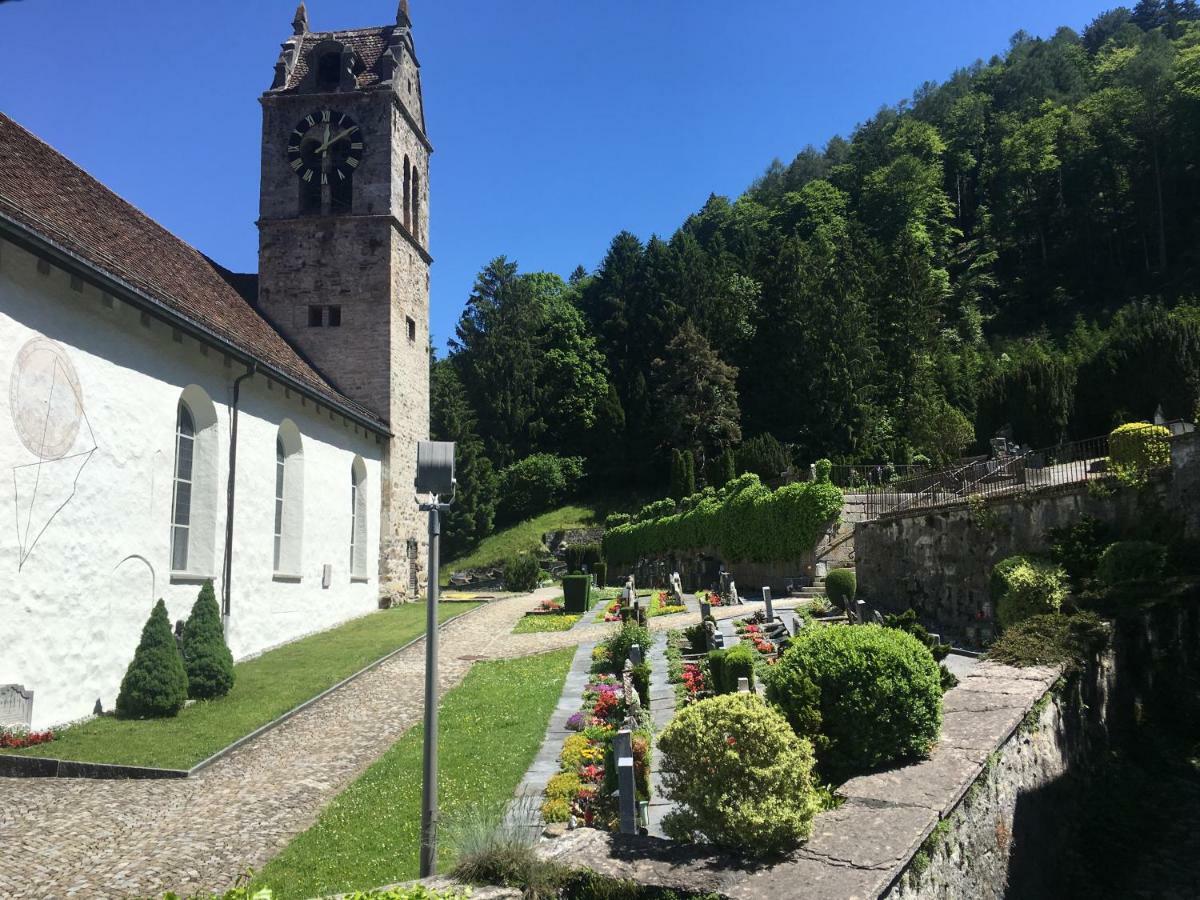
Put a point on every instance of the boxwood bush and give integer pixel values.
(522, 573)
(739, 776)
(873, 693)
(1023, 586)
(1138, 448)
(742, 522)
(730, 664)
(840, 587)
(1131, 561)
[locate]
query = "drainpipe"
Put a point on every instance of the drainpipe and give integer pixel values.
(227, 571)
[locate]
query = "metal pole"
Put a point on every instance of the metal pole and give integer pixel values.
(429, 794)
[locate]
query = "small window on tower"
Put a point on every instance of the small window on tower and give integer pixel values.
(334, 319)
(329, 72)
(412, 328)
(316, 316)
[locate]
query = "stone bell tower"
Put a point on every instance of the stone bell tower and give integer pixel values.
(343, 237)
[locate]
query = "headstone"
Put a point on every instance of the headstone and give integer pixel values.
(626, 788)
(878, 618)
(733, 594)
(768, 606)
(16, 705)
(860, 611)
(743, 686)
(635, 655)
(705, 609)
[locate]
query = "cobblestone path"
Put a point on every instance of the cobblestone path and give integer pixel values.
(90, 838)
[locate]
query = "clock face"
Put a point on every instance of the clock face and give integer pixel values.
(325, 146)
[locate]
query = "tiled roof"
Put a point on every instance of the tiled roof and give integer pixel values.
(368, 43)
(50, 196)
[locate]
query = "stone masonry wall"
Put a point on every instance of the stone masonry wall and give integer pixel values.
(938, 561)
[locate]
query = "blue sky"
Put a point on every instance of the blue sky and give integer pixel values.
(557, 123)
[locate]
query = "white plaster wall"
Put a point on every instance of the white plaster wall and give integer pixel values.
(70, 610)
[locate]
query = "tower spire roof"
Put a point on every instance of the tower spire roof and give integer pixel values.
(300, 22)
(402, 17)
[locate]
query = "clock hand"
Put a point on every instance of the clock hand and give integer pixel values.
(333, 140)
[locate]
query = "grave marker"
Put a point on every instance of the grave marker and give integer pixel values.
(770, 607)
(743, 686)
(626, 789)
(16, 705)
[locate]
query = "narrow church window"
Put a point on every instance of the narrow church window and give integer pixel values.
(407, 194)
(416, 205)
(334, 316)
(280, 467)
(316, 316)
(329, 71)
(412, 328)
(181, 510)
(358, 518)
(289, 500)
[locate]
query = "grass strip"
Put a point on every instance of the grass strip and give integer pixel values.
(265, 688)
(545, 622)
(491, 727)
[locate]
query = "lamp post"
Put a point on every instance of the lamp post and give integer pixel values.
(435, 477)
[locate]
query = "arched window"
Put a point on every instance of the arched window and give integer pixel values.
(194, 494)
(407, 194)
(289, 500)
(416, 204)
(358, 518)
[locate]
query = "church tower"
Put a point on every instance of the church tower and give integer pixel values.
(343, 237)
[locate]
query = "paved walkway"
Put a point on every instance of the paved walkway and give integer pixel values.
(86, 838)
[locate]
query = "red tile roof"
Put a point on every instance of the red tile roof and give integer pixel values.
(368, 43)
(49, 195)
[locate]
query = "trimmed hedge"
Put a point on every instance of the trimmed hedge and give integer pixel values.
(1022, 586)
(522, 573)
(743, 522)
(873, 693)
(728, 665)
(577, 591)
(738, 775)
(206, 656)
(600, 570)
(1131, 561)
(580, 555)
(840, 587)
(1138, 448)
(155, 684)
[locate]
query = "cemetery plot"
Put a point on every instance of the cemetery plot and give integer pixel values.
(549, 616)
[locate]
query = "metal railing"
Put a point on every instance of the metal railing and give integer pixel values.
(1014, 474)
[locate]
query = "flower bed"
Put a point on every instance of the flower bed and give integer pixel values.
(752, 633)
(12, 738)
(690, 677)
(584, 787)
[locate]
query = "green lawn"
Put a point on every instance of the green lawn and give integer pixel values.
(490, 729)
(266, 687)
(524, 536)
(546, 622)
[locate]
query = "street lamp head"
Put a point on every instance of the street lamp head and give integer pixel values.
(435, 468)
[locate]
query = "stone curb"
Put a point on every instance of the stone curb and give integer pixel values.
(49, 767)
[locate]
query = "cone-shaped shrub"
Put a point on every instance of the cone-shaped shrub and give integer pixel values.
(206, 656)
(155, 684)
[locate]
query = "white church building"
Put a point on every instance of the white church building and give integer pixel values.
(168, 422)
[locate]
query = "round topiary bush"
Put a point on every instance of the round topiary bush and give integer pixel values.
(840, 587)
(206, 656)
(1138, 448)
(868, 695)
(1131, 561)
(1023, 586)
(522, 573)
(155, 684)
(738, 774)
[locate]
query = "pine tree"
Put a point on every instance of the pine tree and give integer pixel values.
(155, 684)
(678, 474)
(206, 656)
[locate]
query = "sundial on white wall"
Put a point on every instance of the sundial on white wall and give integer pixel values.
(46, 404)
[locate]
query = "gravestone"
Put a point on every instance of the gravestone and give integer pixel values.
(743, 686)
(705, 609)
(733, 594)
(16, 705)
(860, 612)
(767, 604)
(626, 787)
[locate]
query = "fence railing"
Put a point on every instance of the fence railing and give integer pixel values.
(983, 477)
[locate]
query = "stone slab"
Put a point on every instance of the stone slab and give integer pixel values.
(980, 730)
(868, 835)
(937, 783)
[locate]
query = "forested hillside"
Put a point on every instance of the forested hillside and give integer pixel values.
(1015, 249)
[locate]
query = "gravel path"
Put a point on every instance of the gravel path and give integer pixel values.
(88, 838)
